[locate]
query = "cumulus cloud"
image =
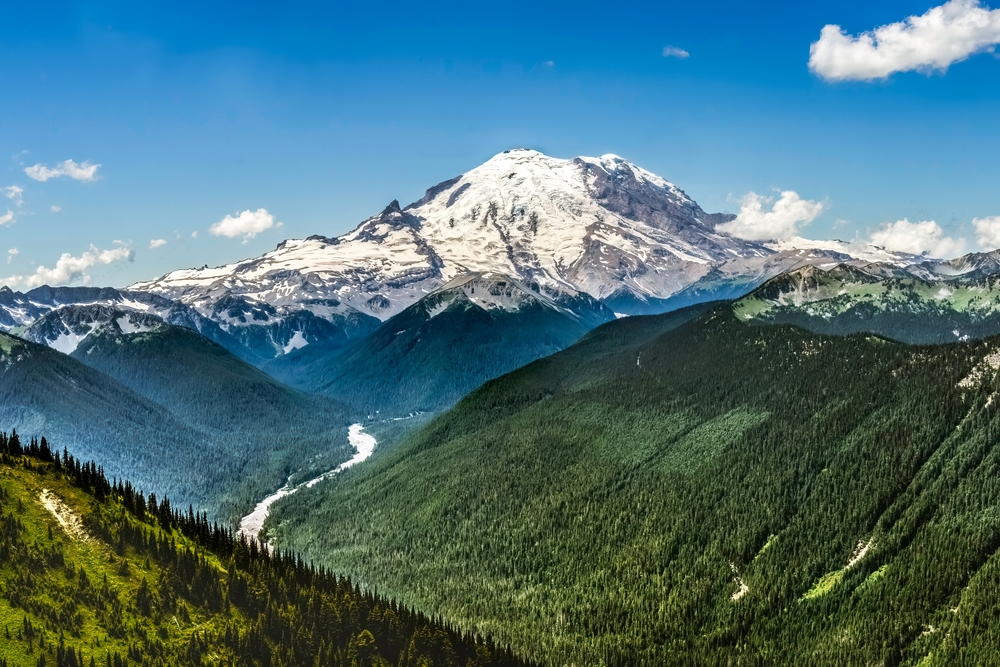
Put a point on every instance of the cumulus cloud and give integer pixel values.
(932, 41)
(15, 193)
(11, 254)
(917, 238)
(987, 232)
(156, 243)
(194, 235)
(55, 209)
(787, 214)
(78, 172)
(70, 269)
(246, 224)
(674, 52)
(7, 218)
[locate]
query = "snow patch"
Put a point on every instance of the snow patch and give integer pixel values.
(129, 327)
(297, 342)
(68, 342)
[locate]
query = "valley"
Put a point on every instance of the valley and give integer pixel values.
(531, 334)
(364, 444)
(548, 405)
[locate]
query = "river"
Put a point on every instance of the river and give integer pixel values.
(364, 445)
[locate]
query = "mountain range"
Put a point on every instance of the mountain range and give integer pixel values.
(600, 226)
(608, 433)
(926, 302)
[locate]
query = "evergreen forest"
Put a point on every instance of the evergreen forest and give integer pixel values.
(688, 489)
(94, 573)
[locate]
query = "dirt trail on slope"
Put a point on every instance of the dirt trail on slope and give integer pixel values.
(68, 519)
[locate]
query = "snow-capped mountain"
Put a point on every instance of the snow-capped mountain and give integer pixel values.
(65, 328)
(601, 226)
(61, 317)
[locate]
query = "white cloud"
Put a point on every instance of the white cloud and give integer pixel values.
(15, 193)
(674, 52)
(782, 222)
(246, 224)
(55, 209)
(156, 243)
(11, 254)
(7, 218)
(938, 38)
(194, 235)
(70, 269)
(987, 232)
(917, 238)
(78, 172)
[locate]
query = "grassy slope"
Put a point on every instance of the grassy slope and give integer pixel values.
(604, 505)
(85, 592)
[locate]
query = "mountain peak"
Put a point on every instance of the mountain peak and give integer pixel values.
(596, 225)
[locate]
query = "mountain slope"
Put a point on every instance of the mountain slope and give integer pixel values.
(163, 404)
(931, 302)
(601, 226)
(94, 573)
(198, 381)
(44, 391)
(475, 328)
(254, 332)
(710, 493)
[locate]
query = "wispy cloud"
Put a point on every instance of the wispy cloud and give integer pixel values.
(156, 243)
(55, 209)
(11, 254)
(246, 224)
(917, 238)
(7, 218)
(15, 193)
(674, 52)
(78, 172)
(932, 41)
(69, 269)
(782, 221)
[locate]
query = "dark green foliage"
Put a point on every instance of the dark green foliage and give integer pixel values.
(422, 360)
(173, 411)
(606, 505)
(217, 599)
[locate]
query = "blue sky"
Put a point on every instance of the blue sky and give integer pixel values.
(323, 114)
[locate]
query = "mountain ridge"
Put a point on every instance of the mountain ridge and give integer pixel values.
(603, 226)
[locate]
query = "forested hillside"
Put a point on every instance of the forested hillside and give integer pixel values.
(436, 351)
(172, 411)
(94, 573)
(715, 493)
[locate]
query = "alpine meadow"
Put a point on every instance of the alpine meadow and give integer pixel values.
(355, 335)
